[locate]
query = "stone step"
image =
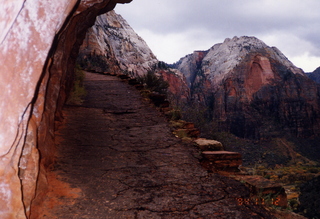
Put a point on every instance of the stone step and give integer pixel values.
(190, 133)
(221, 161)
(209, 145)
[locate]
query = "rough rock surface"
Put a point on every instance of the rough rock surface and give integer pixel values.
(39, 41)
(309, 198)
(120, 152)
(251, 88)
(221, 161)
(179, 90)
(270, 193)
(190, 65)
(111, 45)
(209, 145)
(315, 75)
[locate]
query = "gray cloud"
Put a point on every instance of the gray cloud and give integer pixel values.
(271, 20)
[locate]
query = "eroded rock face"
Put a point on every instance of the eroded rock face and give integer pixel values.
(190, 65)
(111, 45)
(252, 88)
(38, 45)
(178, 88)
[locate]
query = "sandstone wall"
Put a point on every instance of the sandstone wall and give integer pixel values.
(39, 41)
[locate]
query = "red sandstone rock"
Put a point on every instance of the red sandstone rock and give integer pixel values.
(264, 191)
(221, 160)
(33, 87)
(177, 84)
(251, 88)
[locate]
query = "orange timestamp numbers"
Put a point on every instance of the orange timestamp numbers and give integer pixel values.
(258, 201)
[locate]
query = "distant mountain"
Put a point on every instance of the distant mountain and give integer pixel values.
(252, 90)
(315, 75)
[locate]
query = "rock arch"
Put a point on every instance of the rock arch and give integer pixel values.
(39, 41)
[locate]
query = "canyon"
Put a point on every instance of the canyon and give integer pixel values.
(242, 86)
(252, 88)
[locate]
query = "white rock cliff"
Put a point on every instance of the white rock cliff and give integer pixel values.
(111, 37)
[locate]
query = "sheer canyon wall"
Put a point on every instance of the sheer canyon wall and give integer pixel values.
(39, 43)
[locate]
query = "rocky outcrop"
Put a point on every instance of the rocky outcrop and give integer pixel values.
(179, 91)
(39, 43)
(111, 45)
(253, 90)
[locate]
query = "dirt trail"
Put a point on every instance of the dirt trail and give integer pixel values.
(120, 153)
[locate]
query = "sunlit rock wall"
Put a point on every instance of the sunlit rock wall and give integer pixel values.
(39, 41)
(111, 45)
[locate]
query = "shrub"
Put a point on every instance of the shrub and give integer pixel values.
(154, 83)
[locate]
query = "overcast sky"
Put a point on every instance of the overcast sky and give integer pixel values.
(175, 28)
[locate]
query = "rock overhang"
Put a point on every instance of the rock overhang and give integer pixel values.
(37, 47)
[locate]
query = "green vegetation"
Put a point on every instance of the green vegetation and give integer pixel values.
(154, 83)
(174, 115)
(162, 65)
(93, 62)
(294, 174)
(290, 177)
(78, 91)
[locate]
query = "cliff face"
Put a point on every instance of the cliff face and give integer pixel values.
(179, 91)
(252, 88)
(190, 65)
(39, 43)
(112, 45)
